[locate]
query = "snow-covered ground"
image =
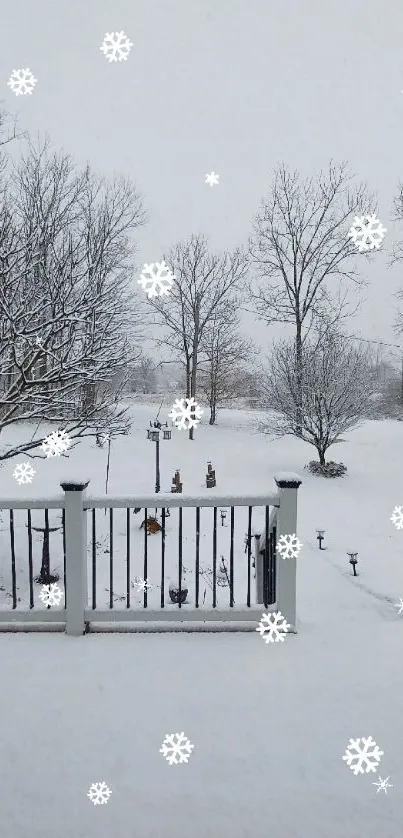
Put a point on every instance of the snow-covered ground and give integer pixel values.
(270, 723)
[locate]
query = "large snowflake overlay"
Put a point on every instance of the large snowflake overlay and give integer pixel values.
(182, 413)
(357, 756)
(156, 277)
(99, 793)
(397, 517)
(272, 627)
(51, 594)
(24, 473)
(367, 232)
(22, 82)
(116, 46)
(56, 443)
(288, 546)
(176, 748)
(212, 179)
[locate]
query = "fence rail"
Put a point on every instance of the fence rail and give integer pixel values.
(100, 543)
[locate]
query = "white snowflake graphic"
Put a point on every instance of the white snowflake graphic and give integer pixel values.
(116, 46)
(383, 785)
(24, 473)
(288, 546)
(272, 627)
(156, 277)
(397, 517)
(176, 748)
(399, 605)
(212, 179)
(99, 793)
(22, 82)
(56, 443)
(51, 594)
(141, 584)
(357, 756)
(367, 232)
(182, 413)
(38, 341)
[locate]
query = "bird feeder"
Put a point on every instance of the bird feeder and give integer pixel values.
(353, 561)
(320, 536)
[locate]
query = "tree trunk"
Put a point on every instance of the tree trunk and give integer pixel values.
(299, 374)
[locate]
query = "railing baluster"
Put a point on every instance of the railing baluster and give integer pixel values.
(13, 573)
(231, 561)
(197, 554)
(64, 554)
(145, 557)
(266, 559)
(249, 552)
(128, 557)
(111, 557)
(30, 566)
(163, 560)
(214, 557)
(274, 595)
(94, 559)
(180, 557)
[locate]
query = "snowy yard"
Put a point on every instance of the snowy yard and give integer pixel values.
(270, 723)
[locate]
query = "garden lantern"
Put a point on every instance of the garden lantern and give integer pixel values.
(223, 514)
(353, 561)
(320, 536)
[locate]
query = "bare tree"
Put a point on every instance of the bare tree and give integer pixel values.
(68, 325)
(223, 351)
(300, 243)
(205, 283)
(336, 387)
(143, 377)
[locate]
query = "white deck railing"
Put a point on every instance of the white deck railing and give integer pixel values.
(77, 616)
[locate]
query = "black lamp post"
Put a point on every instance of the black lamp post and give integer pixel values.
(153, 433)
(353, 561)
(320, 536)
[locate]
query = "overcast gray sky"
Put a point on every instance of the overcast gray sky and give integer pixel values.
(234, 86)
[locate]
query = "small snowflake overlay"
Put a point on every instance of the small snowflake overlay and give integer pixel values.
(383, 785)
(362, 758)
(51, 594)
(141, 584)
(288, 546)
(24, 473)
(212, 179)
(55, 444)
(272, 627)
(182, 413)
(22, 82)
(176, 748)
(397, 517)
(116, 46)
(99, 793)
(367, 232)
(156, 279)
(399, 605)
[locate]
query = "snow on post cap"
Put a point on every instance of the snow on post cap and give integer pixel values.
(74, 484)
(287, 479)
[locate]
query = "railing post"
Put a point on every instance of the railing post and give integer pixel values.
(258, 569)
(76, 556)
(286, 569)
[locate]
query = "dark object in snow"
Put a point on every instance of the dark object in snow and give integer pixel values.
(174, 593)
(353, 561)
(320, 536)
(45, 577)
(330, 469)
(153, 525)
(136, 510)
(210, 477)
(177, 486)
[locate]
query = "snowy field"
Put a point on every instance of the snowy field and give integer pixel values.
(269, 723)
